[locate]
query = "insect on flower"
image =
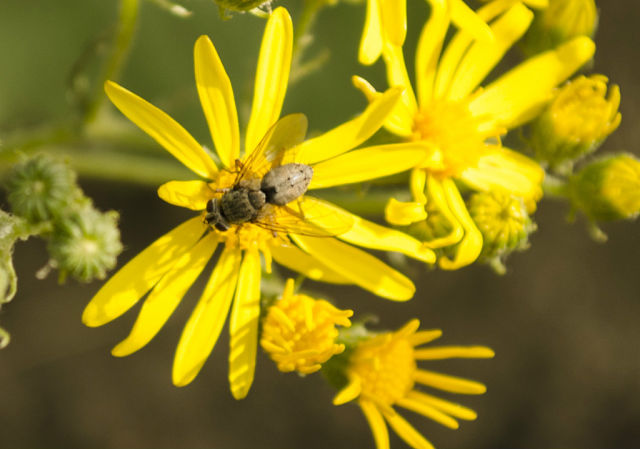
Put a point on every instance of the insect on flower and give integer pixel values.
(268, 187)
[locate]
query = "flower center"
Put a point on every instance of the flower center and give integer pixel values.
(385, 366)
(459, 138)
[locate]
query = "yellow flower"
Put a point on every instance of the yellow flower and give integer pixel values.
(386, 22)
(170, 265)
(463, 122)
(299, 332)
(382, 373)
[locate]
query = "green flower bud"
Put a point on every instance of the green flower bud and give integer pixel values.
(504, 223)
(85, 243)
(40, 187)
(4, 338)
(240, 5)
(577, 121)
(608, 189)
(559, 22)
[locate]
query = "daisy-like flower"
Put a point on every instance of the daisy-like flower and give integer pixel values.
(382, 373)
(463, 122)
(170, 265)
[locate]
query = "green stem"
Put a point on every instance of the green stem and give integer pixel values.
(555, 187)
(127, 20)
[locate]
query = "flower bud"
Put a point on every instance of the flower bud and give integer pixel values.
(608, 189)
(85, 243)
(504, 223)
(40, 187)
(577, 121)
(240, 5)
(560, 22)
(299, 332)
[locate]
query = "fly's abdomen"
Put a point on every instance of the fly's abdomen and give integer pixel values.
(283, 184)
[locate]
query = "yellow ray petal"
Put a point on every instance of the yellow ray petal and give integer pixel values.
(394, 20)
(372, 40)
(135, 279)
(449, 383)
(428, 51)
(367, 234)
(407, 432)
(397, 75)
(193, 195)
(272, 76)
(401, 213)
(350, 134)
(349, 392)
(483, 55)
(438, 196)
(376, 422)
(297, 260)
(367, 163)
(447, 407)
(466, 19)
(216, 98)
(396, 122)
(205, 323)
(423, 337)
(451, 352)
(164, 130)
(166, 296)
(243, 326)
(361, 268)
(518, 96)
(417, 183)
(469, 248)
(428, 411)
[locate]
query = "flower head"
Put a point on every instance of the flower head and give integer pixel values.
(577, 121)
(462, 123)
(382, 372)
(299, 332)
(289, 235)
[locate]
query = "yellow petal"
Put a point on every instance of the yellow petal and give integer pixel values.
(428, 411)
(518, 96)
(376, 422)
(216, 98)
(367, 163)
(205, 323)
(508, 170)
(349, 392)
(394, 20)
(407, 432)
(428, 51)
(465, 19)
(483, 55)
(297, 260)
(132, 281)
(397, 75)
(164, 130)
(350, 134)
(447, 407)
(438, 196)
(397, 121)
(469, 248)
(243, 326)
(166, 296)
(451, 352)
(403, 214)
(417, 183)
(372, 40)
(361, 268)
(448, 383)
(193, 195)
(272, 76)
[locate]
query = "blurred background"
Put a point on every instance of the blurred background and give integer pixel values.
(562, 321)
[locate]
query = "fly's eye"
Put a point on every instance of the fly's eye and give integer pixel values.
(221, 227)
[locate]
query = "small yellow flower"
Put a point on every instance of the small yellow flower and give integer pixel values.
(560, 22)
(386, 22)
(299, 332)
(577, 121)
(608, 188)
(170, 265)
(462, 122)
(382, 373)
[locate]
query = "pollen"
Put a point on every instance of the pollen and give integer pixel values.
(299, 332)
(385, 366)
(458, 137)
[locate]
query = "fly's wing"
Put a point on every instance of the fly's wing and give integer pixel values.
(274, 147)
(307, 216)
